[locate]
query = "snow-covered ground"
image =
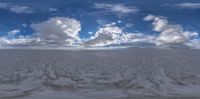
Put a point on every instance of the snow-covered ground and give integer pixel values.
(100, 74)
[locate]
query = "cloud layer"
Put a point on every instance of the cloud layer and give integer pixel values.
(116, 8)
(22, 41)
(13, 32)
(189, 5)
(16, 8)
(64, 31)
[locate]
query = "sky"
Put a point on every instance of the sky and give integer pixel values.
(97, 23)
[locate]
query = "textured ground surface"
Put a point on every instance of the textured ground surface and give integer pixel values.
(100, 74)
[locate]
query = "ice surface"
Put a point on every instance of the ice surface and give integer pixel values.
(99, 74)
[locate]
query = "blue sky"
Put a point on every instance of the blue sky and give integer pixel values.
(27, 22)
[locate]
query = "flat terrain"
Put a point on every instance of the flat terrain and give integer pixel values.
(131, 73)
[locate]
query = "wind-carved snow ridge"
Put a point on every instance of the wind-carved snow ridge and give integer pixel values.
(113, 74)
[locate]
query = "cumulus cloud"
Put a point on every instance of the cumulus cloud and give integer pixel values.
(58, 30)
(64, 31)
(105, 36)
(16, 8)
(111, 34)
(188, 5)
(117, 8)
(169, 33)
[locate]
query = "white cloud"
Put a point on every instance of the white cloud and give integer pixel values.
(117, 8)
(188, 5)
(110, 34)
(105, 36)
(138, 37)
(53, 9)
(3, 5)
(25, 25)
(119, 21)
(59, 30)
(64, 31)
(90, 33)
(16, 8)
(169, 33)
(149, 17)
(21, 9)
(13, 32)
(195, 43)
(129, 25)
(16, 42)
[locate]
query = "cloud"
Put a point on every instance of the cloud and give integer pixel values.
(21, 9)
(3, 5)
(64, 31)
(110, 34)
(195, 43)
(137, 38)
(21, 41)
(58, 30)
(188, 5)
(149, 17)
(116, 8)
(169, 33)
(53, 9)
(51, 34)
(13, 32)
(16, 8)
(105, 36)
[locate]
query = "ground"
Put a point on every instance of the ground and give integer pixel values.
(144, 73)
